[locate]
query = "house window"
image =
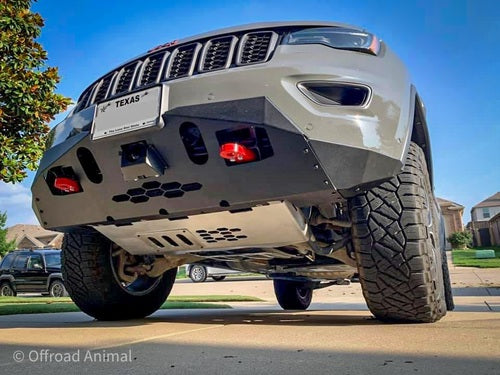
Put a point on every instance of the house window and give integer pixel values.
(486, 213)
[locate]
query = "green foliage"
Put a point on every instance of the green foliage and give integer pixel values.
(5, 246)
(181, 273)
(460, 240)
(27, 98)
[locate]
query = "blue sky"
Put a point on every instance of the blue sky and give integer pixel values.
(450, 47)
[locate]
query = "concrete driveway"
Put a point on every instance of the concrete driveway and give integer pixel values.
(336, 336)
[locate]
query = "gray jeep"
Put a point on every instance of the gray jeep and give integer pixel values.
(298, 150)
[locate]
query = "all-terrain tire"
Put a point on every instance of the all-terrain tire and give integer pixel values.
(6, 290)
(293, 295)
(397, 244)
(92, 284)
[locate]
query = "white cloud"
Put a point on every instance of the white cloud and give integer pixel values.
(16, 200)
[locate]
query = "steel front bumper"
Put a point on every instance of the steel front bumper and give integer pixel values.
(317, 150)
(294, 172)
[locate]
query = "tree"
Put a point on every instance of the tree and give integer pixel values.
(27, 98)
(5, 246)
(460, 240)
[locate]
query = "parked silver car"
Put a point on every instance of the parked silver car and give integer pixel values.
(199, 273)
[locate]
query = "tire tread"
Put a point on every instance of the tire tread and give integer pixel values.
(89, 280)
(399, 275)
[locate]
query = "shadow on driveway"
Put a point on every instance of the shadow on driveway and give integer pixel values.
(180, 358)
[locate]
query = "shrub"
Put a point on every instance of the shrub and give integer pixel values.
(460, 240)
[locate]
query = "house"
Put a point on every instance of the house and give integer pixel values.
(495, 230)
(485, 210)
(452, 214)
(484, 216)
(34, 237)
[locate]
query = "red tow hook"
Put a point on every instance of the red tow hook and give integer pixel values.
(236, 153)
(66, 184)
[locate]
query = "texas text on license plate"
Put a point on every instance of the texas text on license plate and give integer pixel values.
(124, 114)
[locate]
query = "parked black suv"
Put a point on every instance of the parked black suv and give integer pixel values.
(32, 271)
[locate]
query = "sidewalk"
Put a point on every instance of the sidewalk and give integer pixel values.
(473, 277)
(474, 289)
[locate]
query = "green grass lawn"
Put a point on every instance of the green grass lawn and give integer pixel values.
(466, 258)
(39, 305)
(181, 273)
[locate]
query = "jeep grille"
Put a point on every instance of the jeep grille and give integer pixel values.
(183, 61)
(217, 54)
(152, 67)
(102, 89)
(84, 99)
(223, 52)
(125, 78)
(255, 47)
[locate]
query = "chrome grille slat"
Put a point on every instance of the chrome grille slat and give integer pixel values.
(124, 79)
(84, 99)
(102, 90)
(217, 53)
(152, 68)
(256, 47)
(182, 61)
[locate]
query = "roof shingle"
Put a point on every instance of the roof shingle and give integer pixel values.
(492, 201)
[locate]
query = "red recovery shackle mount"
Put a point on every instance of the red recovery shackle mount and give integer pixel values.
(237, 153)
(66, 184)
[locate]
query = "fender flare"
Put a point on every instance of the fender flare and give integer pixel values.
(420, 131)
(10, 279)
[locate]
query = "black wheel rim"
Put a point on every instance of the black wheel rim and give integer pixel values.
(303, 293)
(141, 285)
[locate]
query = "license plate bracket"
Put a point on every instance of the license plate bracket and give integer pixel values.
(135, 111)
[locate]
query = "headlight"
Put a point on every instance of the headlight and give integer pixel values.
(336, 37)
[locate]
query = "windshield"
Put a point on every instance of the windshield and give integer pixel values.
(53, 260)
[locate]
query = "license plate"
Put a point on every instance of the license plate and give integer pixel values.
(128, 113)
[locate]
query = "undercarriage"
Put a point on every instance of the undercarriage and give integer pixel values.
(289, 245)
(294, 243)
